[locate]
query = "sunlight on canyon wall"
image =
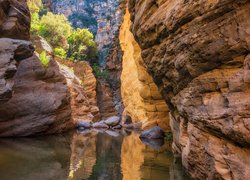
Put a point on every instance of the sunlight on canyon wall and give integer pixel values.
(141, 97)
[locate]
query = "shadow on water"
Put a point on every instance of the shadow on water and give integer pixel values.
(91, 155)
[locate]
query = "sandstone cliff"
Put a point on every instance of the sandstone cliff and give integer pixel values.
(82, 85)
(14, 19)
(141, 97)
(198, 54)
(37, 99)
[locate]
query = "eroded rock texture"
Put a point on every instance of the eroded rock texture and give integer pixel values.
(38, 101)
(198, 55)
(82, 89)
(14, 19)
(36, 98)
(141, 97)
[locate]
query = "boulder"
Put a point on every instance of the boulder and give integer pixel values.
(112, 121)
(100, 124)
(153, 133)
(84, 124)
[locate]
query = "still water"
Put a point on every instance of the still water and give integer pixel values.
(88, 155)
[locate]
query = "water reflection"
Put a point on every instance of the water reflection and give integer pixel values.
(88, 155)
(35, 158)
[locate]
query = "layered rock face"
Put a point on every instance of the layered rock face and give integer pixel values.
(105, 99)
(36, 98)
(33, 100)
(14, 19)
(141, 97)
(82, 85)
(38, 101)
(198, 54)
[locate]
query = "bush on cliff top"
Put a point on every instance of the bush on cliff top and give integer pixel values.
(76, 44)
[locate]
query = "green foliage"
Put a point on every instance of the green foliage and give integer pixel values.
(100, 73)
(82, 46)
(60, 52)
(168, 136)
(55, 29)
(44, 59)
(78, 45)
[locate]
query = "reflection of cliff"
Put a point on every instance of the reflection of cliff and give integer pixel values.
(132, 157)
(139, 161)
(142, 100)
(108, 160)
(83, 156)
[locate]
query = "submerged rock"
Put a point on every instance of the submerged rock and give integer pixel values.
(153, 133)
(112, 121)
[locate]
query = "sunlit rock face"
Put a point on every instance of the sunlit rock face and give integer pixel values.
(82, 84)
(102, 17)
(141, 97)
(198, 54)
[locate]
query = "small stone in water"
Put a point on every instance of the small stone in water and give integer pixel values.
(112, 121)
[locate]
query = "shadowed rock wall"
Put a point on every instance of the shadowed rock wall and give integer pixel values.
(198, 55)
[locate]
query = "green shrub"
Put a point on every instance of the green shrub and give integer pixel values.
(44, 59)
(76, 45)
(168, 136)
(55, 29)
(100, 73)
(60, 52)
(82, 46)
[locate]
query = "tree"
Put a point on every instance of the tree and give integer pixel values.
(82, 46)
(55, 29)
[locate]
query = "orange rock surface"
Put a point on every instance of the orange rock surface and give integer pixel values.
(141, 97)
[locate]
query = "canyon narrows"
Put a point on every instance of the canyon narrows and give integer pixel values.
(149, 70)
(198, 54)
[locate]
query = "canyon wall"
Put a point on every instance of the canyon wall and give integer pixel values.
(14, 19)
(141, 97)
(36, 98)
(103, 19)
(198, 53)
